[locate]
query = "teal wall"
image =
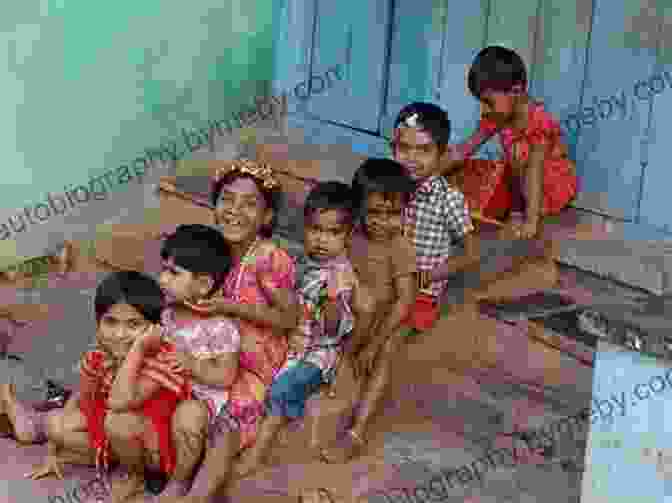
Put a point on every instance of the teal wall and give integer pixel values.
(88, 86)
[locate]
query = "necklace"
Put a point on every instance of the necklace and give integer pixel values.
(241, 268)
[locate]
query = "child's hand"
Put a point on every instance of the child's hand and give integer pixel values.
(424, 279)
(51, 466)
(180, 361)
(150, 340)
(215, 305)
(298, 343)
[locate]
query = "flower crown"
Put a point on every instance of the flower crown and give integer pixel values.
(259, 171)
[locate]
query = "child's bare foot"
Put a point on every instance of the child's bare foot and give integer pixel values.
(128, 487)
(247, 465)
(343, 449)
(6, 429)
(22, 419)
(320, 495)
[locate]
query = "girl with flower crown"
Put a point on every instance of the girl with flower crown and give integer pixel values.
(259, 291)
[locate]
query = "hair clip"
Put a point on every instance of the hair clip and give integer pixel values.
(412, 121)
(259, 171)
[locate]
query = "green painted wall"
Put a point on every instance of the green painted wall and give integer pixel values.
(87, 86)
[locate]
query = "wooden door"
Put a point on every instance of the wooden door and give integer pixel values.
(515, 28)
(613, 121)
(353, 34)
(656, 202)
(418, 30)
(559, 69)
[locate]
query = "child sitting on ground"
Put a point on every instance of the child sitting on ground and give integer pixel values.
(325, 294)
(437, 219)
(128, 370)
(195, 262)
(540, 177)
(385, 264)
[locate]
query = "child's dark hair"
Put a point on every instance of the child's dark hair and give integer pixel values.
(272, 198)
(428, 117)
(330, 196)
(379, 175)
(200, 250)
(496, 68)
(133, 288)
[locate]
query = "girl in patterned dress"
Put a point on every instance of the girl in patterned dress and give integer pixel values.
(259, 292)
(536, 171)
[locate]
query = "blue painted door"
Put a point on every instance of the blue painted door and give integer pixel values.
(415, 56)
(465, 35)
(560, 60)
(656, 91)
(613, 121)
(510, 26)
(353, 33)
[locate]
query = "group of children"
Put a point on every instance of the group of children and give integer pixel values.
(195, 374)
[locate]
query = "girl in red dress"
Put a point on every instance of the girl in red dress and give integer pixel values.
(535, 177)
(129, 369)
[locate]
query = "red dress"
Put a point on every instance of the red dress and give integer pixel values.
(159, 408)
(488, 183)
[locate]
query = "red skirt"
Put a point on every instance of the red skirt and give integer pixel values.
(486, 187)
(489, 186)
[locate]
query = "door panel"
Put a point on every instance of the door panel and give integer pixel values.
(613, 122)
(352, 33)
(656, 201)
(293, 49)
(465, 35)
(560, 59)
(415, 56)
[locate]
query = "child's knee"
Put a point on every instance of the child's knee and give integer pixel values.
(192, 415)
(54, 426)
(364, 303)
(124, 425)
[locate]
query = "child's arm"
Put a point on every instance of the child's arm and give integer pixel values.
(534, 188)
(129, 390)
(406, 291)
(220, 371)
(457, 263)
(459, 152)
(275, 274)
(282, 314)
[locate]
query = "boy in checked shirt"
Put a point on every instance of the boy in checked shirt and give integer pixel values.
(436, 220)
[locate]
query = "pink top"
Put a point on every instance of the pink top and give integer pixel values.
(263, 351)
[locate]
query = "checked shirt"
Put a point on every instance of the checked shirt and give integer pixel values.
(436, 220)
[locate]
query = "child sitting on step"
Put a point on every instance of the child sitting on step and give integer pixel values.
(325, 295)
(436, 219)
(385, 264)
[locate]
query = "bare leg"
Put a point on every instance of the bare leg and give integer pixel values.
(125, 431)
(373, 393)
(216, 470)
(365, 310)
(28, 425)
(190, 427)
(68, 432)
(256, 455)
